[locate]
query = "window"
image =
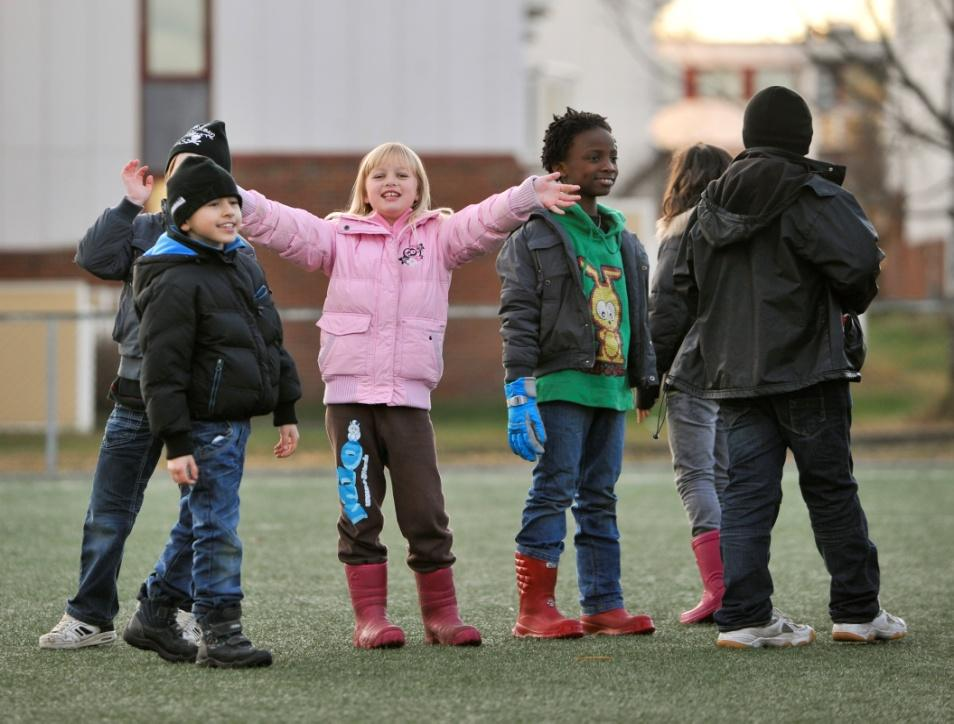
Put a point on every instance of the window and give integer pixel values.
(175, 73)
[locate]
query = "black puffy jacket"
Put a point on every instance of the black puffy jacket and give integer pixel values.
(211, 340)
(776, 254)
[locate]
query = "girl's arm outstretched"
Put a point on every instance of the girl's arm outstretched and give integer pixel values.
(297, 235)
(482, 227)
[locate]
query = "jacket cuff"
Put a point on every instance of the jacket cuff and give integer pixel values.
(128, 209)
(249, 204)
(284, 414)
(524, 198)
(515, 373)
(178, 444)
(646, 397)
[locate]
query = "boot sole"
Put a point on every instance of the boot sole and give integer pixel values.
(147, 644)
(251, 663)
(522, 632)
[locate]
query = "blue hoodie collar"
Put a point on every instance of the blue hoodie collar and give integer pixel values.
(167, 244)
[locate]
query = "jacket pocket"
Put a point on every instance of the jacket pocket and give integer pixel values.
(421, 347)
(344, 344)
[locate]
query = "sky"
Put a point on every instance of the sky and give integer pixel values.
(740, 21)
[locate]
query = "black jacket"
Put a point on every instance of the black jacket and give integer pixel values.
(108, 250)
(545, 318)
(668, 312)
(776, 254)
(211, 340)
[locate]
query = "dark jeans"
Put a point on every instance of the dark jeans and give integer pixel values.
(203, 557)
(814, 423)
(127, 458)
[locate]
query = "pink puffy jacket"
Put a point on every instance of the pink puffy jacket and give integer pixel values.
(382, 323)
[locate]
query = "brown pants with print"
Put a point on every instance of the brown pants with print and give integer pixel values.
(400, 439)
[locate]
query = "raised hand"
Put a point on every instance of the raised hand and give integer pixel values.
(553, 195)
(137, 181)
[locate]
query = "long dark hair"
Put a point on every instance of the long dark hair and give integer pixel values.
(690, 170)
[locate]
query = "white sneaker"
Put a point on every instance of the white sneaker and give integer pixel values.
(190, 629)
(780, 632)
(883, 627)
(71, 633)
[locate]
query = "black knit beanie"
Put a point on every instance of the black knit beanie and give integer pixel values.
(780, 118)
(204, 139)
(196, 182)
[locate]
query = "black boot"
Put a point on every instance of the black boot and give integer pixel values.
(153, 627)
(223, 644)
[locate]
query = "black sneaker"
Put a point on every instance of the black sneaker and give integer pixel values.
(223, 644)
(154, 628)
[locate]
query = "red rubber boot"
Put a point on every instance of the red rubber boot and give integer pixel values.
(539, 617)
(442, 624)
(617, 622)
(368, 585)
(709, 560)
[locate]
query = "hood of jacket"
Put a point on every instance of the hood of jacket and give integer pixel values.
(758, 186)
(174, 248)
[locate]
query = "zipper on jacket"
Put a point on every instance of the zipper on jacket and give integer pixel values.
(216, 382)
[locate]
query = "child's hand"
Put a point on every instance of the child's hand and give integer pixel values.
(641, 415)
(287, 441)
(137, 183)
(183, 470)
(554, 195)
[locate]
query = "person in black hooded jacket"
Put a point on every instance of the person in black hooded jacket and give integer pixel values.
(776, 255)
(212, 351)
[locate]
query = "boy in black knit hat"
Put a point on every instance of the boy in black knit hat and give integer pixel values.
(212, 358)
(129, 451)
(776, 254)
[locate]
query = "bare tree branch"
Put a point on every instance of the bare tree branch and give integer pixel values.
(894, 62)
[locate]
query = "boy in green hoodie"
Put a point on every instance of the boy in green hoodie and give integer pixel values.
(576, 347)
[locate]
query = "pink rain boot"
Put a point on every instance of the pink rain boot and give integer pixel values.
(442, 624)
(709, 560)
(368, 585)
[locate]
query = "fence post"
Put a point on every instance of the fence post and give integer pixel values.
(52, 395)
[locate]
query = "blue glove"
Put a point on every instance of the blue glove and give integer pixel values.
(524, 426)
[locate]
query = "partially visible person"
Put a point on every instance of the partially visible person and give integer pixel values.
(129, 451)
(390, 257)
(778, 254)
(213, 357)
(696, 433)
(577, 357)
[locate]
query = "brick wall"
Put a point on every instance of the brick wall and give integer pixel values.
(322, 184)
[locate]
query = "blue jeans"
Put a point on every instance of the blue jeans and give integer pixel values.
(814, 423)
(127, 458)
(700, 458)
(202, 559)
(580, 467)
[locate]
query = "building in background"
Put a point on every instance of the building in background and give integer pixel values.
(305, 88)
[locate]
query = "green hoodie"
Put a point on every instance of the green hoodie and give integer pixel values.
(601, 271)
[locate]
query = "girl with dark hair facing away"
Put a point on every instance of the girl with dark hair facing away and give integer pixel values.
(576, 346)
(696, 434)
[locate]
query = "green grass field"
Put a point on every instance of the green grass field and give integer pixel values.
(297, 605)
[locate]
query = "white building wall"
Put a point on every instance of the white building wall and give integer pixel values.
(288, 76)
(347, 75)
(579, 54)
(68, 115)
(923, 172)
